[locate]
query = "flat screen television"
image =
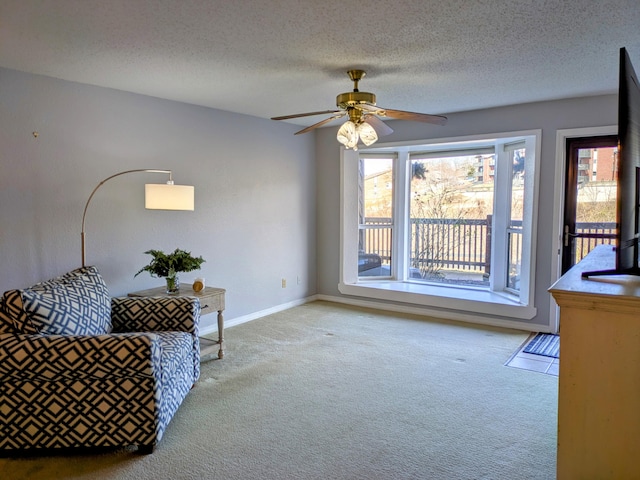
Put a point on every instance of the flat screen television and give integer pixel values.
(628, 196)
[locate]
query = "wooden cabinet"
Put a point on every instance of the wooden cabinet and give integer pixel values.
(211, 300)
(599, 381)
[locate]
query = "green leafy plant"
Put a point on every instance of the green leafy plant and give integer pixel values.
(168, 265)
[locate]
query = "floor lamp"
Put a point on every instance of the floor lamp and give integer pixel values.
(156, 197)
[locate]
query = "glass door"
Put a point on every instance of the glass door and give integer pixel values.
(590, 196)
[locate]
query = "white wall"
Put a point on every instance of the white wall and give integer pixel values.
(267, 204)
(254, 221)
(548, 116)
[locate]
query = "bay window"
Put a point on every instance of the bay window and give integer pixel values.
(448, 224)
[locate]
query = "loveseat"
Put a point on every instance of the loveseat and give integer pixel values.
(81, 369)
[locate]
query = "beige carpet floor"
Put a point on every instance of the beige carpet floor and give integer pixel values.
(325, 391)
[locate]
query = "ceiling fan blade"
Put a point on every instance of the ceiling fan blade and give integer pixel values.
(320, 123)
(298, 115)
(413, 116)
(378, 125)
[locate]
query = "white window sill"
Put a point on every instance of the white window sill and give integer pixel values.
(455, 298)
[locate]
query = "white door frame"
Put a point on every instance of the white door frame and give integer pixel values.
(558, 202)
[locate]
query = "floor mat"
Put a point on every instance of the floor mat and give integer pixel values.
(544, 344)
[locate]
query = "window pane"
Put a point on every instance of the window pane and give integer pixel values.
(596, 198)
(450, 214)
(514, 230)
(375, 216)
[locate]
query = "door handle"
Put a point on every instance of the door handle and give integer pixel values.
(567, 234)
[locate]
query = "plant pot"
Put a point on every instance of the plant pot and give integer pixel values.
(173, 284)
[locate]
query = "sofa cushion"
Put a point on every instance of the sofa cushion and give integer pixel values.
(76, 303)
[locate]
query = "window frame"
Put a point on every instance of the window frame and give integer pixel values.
(394, 210)
(399, 288)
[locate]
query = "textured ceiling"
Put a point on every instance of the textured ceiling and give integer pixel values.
(268, 58)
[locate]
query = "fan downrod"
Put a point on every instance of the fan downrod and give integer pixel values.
(356, 76)
(351, 99)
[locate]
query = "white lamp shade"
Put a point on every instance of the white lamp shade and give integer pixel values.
(168, 197)
(367, 134)
(347, 134)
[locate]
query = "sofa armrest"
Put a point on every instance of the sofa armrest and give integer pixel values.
(66, 357)
(155, 314)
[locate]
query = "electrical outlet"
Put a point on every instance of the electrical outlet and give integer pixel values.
(298, 280)
(284, 283)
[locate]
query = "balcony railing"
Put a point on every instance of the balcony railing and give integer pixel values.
(460, 244)
(583, 245)
(447, 243)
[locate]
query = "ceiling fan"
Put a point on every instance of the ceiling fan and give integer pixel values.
(363, 123)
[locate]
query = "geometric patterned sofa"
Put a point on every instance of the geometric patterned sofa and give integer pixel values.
(81, 369)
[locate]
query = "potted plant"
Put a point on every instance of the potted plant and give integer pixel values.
(168, 265)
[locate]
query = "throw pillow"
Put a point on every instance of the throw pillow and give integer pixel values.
(76, 303)
(68, 309)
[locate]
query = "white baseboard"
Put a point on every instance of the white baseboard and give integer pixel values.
(255, 315)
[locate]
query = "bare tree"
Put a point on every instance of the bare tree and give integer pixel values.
(437, 207)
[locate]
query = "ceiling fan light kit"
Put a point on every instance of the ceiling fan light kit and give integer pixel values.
(363, 124)
(349, 134)
(367, 133)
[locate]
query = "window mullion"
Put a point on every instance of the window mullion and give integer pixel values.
(528, 220)
(502, 198)
(401, 215)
